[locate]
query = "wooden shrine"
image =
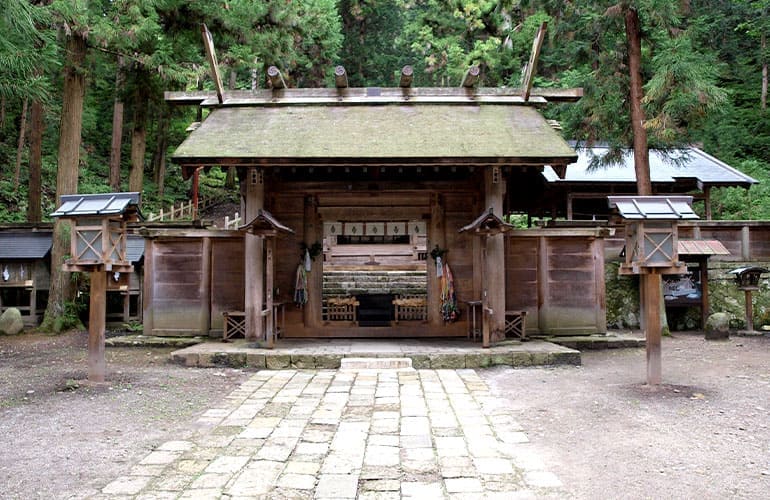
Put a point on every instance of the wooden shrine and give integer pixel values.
(98, 239)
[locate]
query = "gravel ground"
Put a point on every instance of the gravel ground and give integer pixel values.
(705, 434)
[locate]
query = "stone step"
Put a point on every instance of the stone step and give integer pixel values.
(398, 364)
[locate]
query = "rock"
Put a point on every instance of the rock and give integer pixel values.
(718, 326)
(11, 322)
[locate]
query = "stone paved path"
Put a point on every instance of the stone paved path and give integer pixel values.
(343, 434)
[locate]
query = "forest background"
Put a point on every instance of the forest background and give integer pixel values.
(82, 81)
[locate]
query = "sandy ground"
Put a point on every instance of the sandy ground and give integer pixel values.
(706, 434)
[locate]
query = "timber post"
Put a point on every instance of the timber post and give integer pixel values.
(312, 309)
(96, 325)
(494, 192)
(436, 237)
(254, 255)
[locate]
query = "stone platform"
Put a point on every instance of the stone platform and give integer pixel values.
(328, 353)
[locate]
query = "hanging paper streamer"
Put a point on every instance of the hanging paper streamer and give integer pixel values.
(449, 310)
(300, 286)
(308, 261)
(439, 268)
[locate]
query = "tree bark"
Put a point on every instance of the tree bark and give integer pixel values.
(763, 95)
(159, 157)
(20, 145)
(62, 288)
(641, 153)
(34, 210)
(138, 143)
(117, 129)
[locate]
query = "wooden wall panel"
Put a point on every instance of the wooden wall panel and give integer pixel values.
(227, 278)
(176, 294)
(521, 262)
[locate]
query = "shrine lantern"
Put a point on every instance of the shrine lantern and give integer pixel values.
(99, 236)
(651, 232)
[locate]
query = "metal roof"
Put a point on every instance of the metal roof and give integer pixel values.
(653, 207)
(26, 245)
(403, 134)
(692, 163)
(134, 248)
(74, 205)
(701, 247)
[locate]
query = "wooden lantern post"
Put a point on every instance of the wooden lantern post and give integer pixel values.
(98, 246)
(747, 279)
(486, 225)
(651, 250)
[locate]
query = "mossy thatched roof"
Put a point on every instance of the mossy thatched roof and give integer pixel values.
(387, 134)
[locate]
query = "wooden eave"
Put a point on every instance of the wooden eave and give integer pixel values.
(264, 224)
(374, 95)
(487, 224)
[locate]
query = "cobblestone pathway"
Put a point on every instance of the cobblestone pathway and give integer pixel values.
(343, 434)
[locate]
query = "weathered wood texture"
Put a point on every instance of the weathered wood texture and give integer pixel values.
(173, 300)
(227, 279)
(559, 281)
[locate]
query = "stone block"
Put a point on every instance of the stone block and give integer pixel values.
(303, 361)
(500, 358)
(521, 359)
(327, 361)
(450, 361)
(420, 361)
(277, 361)
(477, 361)
(541, 358)
(254, 360)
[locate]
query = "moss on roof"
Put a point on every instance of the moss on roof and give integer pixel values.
(367, 132)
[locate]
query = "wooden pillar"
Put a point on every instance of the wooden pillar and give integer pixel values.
(254, 293)
(96, 319)
(269, 269)
(477, 258)
(543, 293)
(436, 236)
(494, 194)
(651, 286)
(707, 201)
(147, 287)
(312, 233)
(704, 290)
(597, 247)
(205, 287)
(746, 243)
(749, 312)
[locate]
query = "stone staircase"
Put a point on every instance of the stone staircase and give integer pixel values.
(374, 282)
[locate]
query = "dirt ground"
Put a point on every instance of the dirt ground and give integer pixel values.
(705, 435)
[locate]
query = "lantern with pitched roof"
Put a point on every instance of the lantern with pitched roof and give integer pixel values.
(98, 241)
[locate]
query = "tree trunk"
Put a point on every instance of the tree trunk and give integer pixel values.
(641, 153)
(62, 288)
(763, 95)
(138, 143)
(117, 129)
(159, 157)
(20, 145)
(34, 211)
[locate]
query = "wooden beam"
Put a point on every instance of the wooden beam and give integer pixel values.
(96, 324)
(407, 73)
(276, 78)
(211, 55)
(269, 285)
(471, 77)
(529, 72)
(651, 289)
(340, 77)
(387, 95)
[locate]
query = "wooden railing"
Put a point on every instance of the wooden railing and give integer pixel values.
(232, 223)
(184, 211)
